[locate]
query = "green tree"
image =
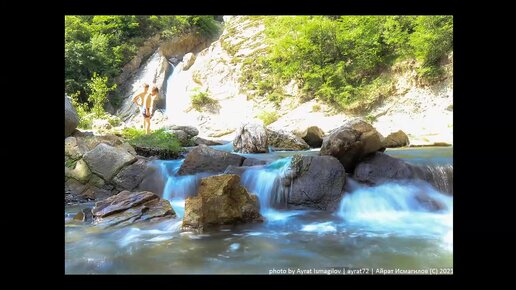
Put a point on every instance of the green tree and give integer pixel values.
(98, 96)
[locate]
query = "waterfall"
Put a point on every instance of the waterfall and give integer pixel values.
(177, 96)
(266, 182)
(177, 187)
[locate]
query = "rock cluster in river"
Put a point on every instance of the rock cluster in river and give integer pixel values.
(97, 167)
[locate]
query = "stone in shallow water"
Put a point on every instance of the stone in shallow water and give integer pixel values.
(128, 207)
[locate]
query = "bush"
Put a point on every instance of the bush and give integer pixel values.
(316, 108)
(201, 100)
(268, 117)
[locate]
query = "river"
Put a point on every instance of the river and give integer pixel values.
(375, 227)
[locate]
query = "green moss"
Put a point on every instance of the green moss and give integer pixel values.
(159, 139)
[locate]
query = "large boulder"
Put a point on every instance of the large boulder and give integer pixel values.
(71, 117)
(351, 142)
(380, 167)
(312, 135)
(189, 130)
(253, 162)
(127, 208)
(106, 161)
(220, 200)
(131, 176)
(80, 172)
(74, 148)
(181, 136)
(283, 140)
(251, 138)
(396, 139)
(238, 170)
(205, 159)
(76, 192)
(315, 182)
(198, 141)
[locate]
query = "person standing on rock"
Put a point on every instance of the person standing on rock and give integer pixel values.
(148, 107)
(138, 99)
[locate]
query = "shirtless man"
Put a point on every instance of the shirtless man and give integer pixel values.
(148, 108)
(138, 99)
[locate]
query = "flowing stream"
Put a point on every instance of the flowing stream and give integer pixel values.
(385, 226)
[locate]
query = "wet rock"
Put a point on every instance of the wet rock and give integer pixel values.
(315, 182)
(198, 141)
(351, 142)
(379, 167)
(131, 176)
(127, 208)
(220, 200)
(253, 162)
(205, 159)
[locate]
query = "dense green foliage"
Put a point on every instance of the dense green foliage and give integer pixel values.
(97, 98)
(159, 139)
(340, 60)
(103, 44)
(268, 117)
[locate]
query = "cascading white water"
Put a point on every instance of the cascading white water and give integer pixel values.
(265, 181)
(441, 177)
(412, 208)
(177, 96)
(177, 187)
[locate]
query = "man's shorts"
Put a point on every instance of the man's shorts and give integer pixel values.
(146, 113)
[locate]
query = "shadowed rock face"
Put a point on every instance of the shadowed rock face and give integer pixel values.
(205, 159)
(71, 117)
(251, 138)
(351, 142)
(220, 200)
(379, 167)
(315, 182)
(312, 135)
(128, 207)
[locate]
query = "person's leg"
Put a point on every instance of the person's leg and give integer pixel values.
(143, 117)
(147, 125)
